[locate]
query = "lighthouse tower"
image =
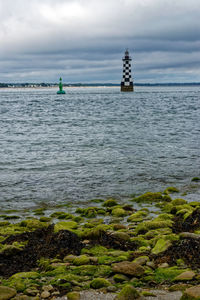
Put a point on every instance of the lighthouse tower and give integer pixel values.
(127, 81)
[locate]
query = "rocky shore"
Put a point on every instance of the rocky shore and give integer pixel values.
(148, 248)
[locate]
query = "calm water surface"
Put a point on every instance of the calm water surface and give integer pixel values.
(97, 142)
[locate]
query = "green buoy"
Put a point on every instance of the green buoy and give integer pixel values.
(61, 91)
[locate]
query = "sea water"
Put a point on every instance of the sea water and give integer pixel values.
(97, 143)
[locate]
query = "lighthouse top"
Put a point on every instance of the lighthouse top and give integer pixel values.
(126, 56)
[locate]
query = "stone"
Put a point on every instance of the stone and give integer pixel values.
(128, 268)
(185, 276)
(141, 260)
(31, 291)
(151, 264)
(45, 294)
(7, 293)
(193, 293)
(47, 288)
(111, 289)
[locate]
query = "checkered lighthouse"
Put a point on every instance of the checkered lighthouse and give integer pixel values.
(127, 81)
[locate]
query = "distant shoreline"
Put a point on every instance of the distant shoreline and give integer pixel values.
(54, 85)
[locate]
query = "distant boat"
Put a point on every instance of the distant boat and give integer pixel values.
(61, 91)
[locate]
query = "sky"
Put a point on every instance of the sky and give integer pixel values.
(84, 40)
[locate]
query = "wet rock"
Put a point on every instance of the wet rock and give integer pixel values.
(7, 293)
(128, 268)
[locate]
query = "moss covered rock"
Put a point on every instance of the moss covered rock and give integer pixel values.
(128, 293)
(98, 283)
(138, 216)
(110, 203)
(149, 197)
(7, 292)
(170, 190)
(118, 278)
(128, 268)
(185, 276)
(141, 260)
(178, 201)
(154, 224)
(166, 274)
(161, 246)
(119, 212)
(65, 225)
(81, 260)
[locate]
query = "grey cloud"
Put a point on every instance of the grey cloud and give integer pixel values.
(85, 40)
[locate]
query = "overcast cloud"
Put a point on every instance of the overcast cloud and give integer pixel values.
(84, 40)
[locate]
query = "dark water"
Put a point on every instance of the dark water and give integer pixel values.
(97, 142)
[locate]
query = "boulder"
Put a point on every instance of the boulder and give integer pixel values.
(128, 268)
(185, 276)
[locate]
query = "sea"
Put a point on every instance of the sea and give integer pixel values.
(97, 143)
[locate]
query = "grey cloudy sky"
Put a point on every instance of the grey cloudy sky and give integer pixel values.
(84, 40)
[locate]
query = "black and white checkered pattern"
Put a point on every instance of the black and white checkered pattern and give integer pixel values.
(127, 78)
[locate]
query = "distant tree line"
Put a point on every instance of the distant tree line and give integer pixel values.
(43, 84)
